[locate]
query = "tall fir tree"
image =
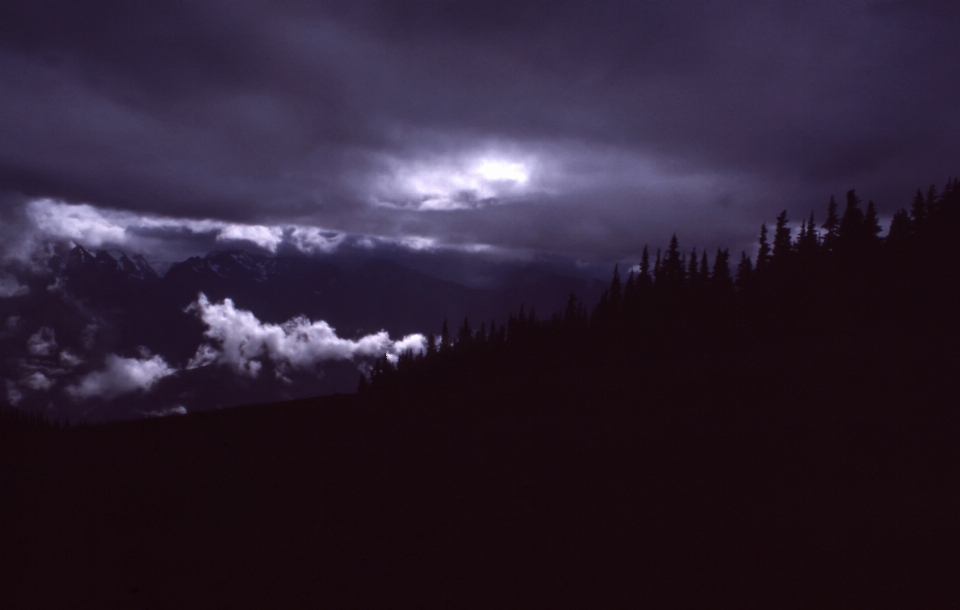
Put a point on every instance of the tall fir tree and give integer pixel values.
(931, 199)
(673, 265)
(658, 270)
(782, 243)
(444, 338)
(763, 253)
(616, 288)
(851, 223)
(721, 270)
(901, 230)
(809, 242)
(692, 272)
(831, 226)
(630, 288)
(465, 334)
(871, 226)
(744, 271)
(644, 279)
(918, 209)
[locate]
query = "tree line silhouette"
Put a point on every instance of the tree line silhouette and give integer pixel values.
(784, 433)
(836, 301)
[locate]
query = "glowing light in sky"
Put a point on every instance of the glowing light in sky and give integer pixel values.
(455, 183)
(496, 170)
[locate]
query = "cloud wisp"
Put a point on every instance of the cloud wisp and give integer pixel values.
(121, 376)
(43, 342)
(96, 227)
(48, 221)
(242, 342)
(10, 287)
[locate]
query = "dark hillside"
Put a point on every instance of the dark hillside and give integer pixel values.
(782, 436)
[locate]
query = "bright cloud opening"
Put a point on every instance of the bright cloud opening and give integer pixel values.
(454, 183)
(502, 171)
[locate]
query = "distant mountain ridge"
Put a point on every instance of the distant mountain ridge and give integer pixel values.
(101, 303)
(378, 295)
(105, 262)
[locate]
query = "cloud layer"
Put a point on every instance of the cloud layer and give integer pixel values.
(584, 128)
(166, 238)
(242, 342)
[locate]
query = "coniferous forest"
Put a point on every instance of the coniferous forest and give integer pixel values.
(781, 430)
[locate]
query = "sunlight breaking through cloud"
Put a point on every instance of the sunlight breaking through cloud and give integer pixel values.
(454, 183)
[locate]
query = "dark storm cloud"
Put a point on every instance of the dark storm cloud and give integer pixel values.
(578, 127)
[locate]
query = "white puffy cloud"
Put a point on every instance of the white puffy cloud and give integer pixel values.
(241, 341)
(42, 343)
(314, 240)
(80, 223)
(121, 376)
(267, 238)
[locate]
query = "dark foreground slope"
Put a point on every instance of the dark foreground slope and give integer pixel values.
(553, 502)
(788, 441)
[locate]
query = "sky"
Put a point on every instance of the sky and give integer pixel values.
(498, 128)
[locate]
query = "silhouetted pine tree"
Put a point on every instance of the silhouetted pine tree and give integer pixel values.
(644, 279)
(871, 227)
(630, 289)
(782, 242)
(832, 227)
(672, 270)
(808, 243)
(763, 253)
(851, 224)
(931, 199)
(918, 209)
(901, 231)
(744, 272)
(721, 271)
(444, 338)
(658, 270)
(692, 273)
(616, 289)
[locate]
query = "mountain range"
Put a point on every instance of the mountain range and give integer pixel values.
(64, 320)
